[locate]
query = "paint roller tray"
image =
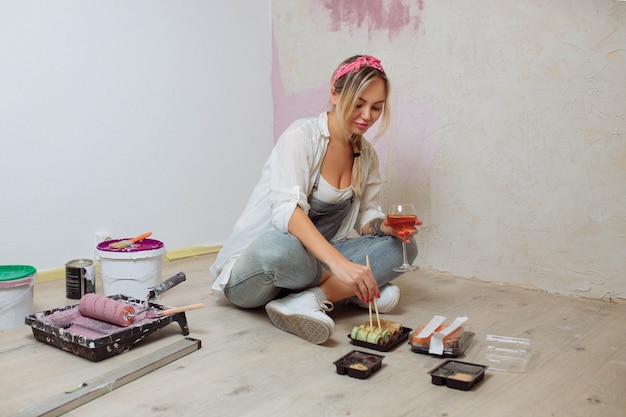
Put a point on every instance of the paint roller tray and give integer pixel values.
(66, 329)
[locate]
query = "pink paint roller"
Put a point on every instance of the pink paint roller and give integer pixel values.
(120, 313)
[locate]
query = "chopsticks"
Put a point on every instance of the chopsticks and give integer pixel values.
(367, 262)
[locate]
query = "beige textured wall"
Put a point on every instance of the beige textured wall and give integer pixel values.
(508, 127)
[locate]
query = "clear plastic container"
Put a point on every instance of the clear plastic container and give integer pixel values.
(506, 354)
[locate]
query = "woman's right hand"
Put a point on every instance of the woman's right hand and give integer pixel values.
(358, 277)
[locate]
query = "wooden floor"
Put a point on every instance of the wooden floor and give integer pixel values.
(247, 367)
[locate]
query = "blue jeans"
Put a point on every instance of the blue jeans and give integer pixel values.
(277, 261)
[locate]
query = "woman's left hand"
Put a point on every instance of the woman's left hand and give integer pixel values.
(406, 236)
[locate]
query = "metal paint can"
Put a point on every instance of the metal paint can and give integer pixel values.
(80, 278)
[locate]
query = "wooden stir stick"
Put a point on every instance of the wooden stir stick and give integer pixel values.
(367, 261)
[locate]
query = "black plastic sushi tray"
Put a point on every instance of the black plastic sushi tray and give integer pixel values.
(457, 375)
(454, 350)
(54, 327)
(384, 347)
(358, 364)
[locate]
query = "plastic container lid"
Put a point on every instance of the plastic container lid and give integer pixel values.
(15, 272)
(144, 245)
(507, 354)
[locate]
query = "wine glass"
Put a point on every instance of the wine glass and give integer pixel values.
(401, 218)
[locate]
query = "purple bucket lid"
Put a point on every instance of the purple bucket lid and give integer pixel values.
(144, 245)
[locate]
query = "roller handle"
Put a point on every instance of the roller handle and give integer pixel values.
(179, 309)
(166, 285)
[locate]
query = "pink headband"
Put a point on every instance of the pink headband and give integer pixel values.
(362, 61)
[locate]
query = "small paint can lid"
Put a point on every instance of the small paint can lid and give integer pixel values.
(15, 272)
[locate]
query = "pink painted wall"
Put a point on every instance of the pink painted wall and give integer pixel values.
(352, 16)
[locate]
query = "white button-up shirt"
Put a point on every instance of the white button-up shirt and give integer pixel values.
(287, 180)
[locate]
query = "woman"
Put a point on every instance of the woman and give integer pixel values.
(320, 182)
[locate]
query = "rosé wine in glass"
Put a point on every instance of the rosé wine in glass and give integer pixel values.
(401, 218)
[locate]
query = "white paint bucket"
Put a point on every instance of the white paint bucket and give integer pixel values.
(132, 270)
(16, 294)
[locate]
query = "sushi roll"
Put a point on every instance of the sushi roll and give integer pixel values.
(383, 335)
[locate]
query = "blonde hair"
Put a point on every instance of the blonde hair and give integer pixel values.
(349, 87)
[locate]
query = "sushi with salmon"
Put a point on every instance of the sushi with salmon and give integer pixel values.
(450, 341)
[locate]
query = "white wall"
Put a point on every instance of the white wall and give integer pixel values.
(509, 127)
(128, 116)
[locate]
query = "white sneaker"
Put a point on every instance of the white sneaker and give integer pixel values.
(302, 314)
(389, 299)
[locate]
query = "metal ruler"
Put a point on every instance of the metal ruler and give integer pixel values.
(87, 391)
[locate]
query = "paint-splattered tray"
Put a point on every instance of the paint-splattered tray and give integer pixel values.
(66, 329)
